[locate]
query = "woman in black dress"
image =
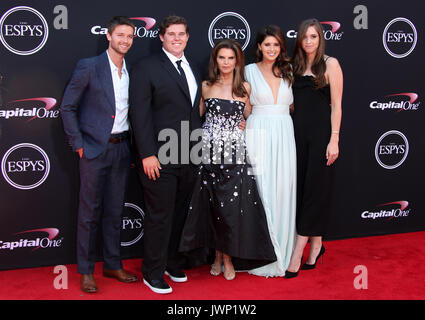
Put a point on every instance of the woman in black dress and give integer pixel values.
(226, 212)
(317, 117)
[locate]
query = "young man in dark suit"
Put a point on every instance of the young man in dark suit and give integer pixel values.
(165, 95)
(94, 111)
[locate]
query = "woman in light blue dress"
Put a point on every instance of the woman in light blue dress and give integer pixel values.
(271, 144)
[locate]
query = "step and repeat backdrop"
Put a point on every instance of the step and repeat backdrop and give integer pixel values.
(379, 187)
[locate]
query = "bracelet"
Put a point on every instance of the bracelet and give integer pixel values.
(336, 132)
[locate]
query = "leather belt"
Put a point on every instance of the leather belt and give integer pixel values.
(118, 137)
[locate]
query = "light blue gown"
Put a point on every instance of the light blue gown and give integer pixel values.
(271, 149)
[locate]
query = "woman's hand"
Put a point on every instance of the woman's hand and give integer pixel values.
(242, 124)
(332, 152)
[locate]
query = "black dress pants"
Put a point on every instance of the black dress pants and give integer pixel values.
(167, 202)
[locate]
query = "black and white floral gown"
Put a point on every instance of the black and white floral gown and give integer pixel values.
(226, 212)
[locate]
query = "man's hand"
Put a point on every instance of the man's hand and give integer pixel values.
(151, 167)
(80, 152)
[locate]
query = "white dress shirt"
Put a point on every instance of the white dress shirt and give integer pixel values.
(121, 85)
(191, 81)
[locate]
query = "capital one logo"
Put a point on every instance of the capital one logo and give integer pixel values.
(391, 149)
(229, 25)
(391, 210)
(23, 30)
(399, 37)
(331, 34)
(25, 166)
(30, 108)
(132, 224)
(330, 31)
(49, 241)
(144, 31)
(398, 102)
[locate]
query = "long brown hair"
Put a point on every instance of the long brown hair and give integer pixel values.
(282, 63)
(238, 88)
(299, 59)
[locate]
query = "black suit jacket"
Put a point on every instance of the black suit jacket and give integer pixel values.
(159, 100)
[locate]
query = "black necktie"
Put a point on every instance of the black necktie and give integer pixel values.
(182, 74)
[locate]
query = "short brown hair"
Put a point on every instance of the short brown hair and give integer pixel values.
(168, 21)
(117, 21)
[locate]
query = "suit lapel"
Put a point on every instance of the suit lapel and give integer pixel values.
(168, 65)
(198, 81)
(105, 78)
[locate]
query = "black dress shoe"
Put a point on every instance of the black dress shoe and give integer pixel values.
(307, 266)
(291, 274)
(158, 285)
(176, 275)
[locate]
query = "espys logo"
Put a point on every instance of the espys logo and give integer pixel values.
(399, 37)
(229, 25)
(132, 225)
(396, 209)
(32, 108)
(330, 29)
(145, 31)
(23, 30)
(36, 243)
(399, 102)
(392, 149)
(25, 166)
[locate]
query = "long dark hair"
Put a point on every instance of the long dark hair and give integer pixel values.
(238, 88)
(299, 59)
(282, 64)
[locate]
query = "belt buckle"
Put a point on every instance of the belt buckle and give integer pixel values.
(120, 137)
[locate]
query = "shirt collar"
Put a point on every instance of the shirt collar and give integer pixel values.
(173, 58)
(114, 67)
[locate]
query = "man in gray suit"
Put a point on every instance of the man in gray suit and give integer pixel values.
(94, 111)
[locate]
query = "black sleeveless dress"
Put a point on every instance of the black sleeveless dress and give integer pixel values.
(226, 212)
(312, 127)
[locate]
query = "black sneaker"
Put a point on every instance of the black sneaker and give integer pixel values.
(176, 275)
(158, 286)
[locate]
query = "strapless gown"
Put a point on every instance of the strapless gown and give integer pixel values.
(226, 212)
